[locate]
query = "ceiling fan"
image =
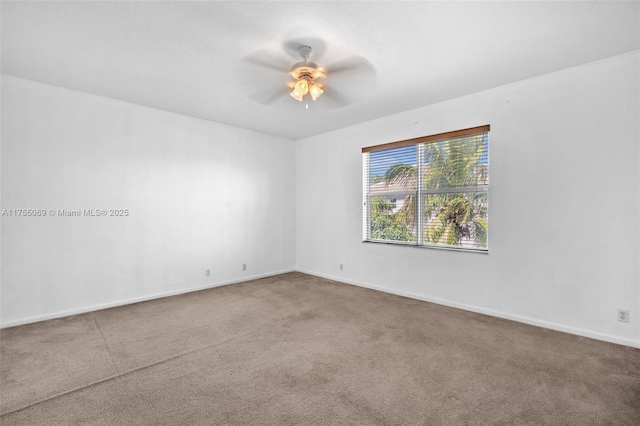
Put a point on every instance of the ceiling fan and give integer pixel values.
(306, 74)
(341, 82)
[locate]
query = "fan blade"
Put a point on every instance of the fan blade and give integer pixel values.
(265, 60)
(267, 97)
(353, 78)
(335, 97)
(354, 63)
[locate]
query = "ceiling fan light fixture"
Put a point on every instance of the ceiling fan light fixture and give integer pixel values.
(296, 95)
(300, 89)
(302, 86)
(307, 78)
(315, 91)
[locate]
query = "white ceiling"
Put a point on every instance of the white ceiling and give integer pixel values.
(191, 57)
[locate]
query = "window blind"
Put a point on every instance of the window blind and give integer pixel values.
(430, 191)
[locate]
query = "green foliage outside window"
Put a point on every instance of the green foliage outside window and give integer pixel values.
(386, 225)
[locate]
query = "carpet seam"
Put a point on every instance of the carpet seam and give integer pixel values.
(113, 377)
(113, 360)
(129, 372)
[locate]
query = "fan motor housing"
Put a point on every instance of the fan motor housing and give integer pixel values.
(308, 70)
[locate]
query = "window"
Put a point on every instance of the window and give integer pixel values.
(430, 191)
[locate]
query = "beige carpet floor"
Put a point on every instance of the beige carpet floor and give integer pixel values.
(300, 350)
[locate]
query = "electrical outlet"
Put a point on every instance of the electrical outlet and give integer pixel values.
(623, 316)
(207, 272)
(244, 266)
(341, 267)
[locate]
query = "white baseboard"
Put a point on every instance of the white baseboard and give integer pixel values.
(479, 310)
(471, 308)
(101, 306)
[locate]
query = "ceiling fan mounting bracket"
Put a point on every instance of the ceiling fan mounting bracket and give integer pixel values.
(305, 52)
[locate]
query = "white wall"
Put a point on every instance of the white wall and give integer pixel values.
(200, 195)
(564, 205)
